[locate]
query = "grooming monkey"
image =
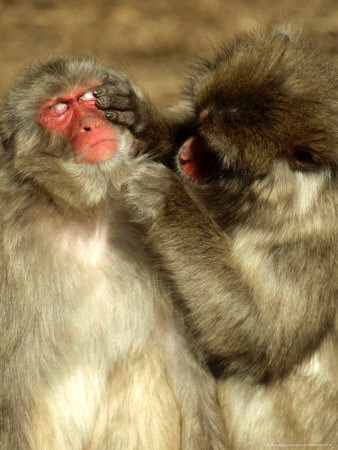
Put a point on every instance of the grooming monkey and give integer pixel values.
(90, 355)
(247, 231)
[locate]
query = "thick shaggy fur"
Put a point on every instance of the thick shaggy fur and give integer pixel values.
(248, 236)
(90, 357)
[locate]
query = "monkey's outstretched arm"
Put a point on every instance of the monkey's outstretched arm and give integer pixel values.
(241, 319)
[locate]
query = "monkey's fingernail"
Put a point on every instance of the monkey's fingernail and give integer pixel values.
(97, 91)
(110, 115)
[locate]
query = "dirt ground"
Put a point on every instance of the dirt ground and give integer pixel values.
(152, 40)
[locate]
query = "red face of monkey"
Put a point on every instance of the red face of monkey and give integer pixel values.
(75, 115)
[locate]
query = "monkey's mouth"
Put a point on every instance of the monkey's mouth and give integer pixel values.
(197, 161)
(99, 152)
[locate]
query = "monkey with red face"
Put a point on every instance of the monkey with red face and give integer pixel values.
(90, 353)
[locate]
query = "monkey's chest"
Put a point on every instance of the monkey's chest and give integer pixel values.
(87, 247)
(104, 285)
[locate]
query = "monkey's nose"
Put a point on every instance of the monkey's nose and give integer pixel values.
(88, 123)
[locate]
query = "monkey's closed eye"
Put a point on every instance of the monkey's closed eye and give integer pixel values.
(59, 109)
(233, 109)
(87, 96)
(229, 112)
(304, 157)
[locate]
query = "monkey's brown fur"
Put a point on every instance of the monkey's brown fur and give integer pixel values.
(251, 249)
(90, 357)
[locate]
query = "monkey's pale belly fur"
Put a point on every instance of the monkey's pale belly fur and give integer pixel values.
(88, 248)
(247, 406)
(90, 396)
(107, 368)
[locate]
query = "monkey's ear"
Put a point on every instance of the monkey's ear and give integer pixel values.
(307, 154)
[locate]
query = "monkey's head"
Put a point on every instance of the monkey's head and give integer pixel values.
(266, 106)
(50, 123)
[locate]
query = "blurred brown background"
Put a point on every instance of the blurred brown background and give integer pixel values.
(151, 40)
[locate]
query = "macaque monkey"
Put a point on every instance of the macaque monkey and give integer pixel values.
(247, 227)
(91, 357)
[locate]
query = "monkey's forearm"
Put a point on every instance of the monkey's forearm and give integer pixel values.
(240, 323)
(220, 313)
(156, 129)
(160, 131)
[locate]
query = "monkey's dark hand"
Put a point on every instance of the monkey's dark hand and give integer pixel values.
(148, 191)
(155, 129)
(118, 98)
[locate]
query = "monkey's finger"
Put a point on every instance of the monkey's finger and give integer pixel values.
(116, 76)
(114, 102)
(110, 89)
(126, 118)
